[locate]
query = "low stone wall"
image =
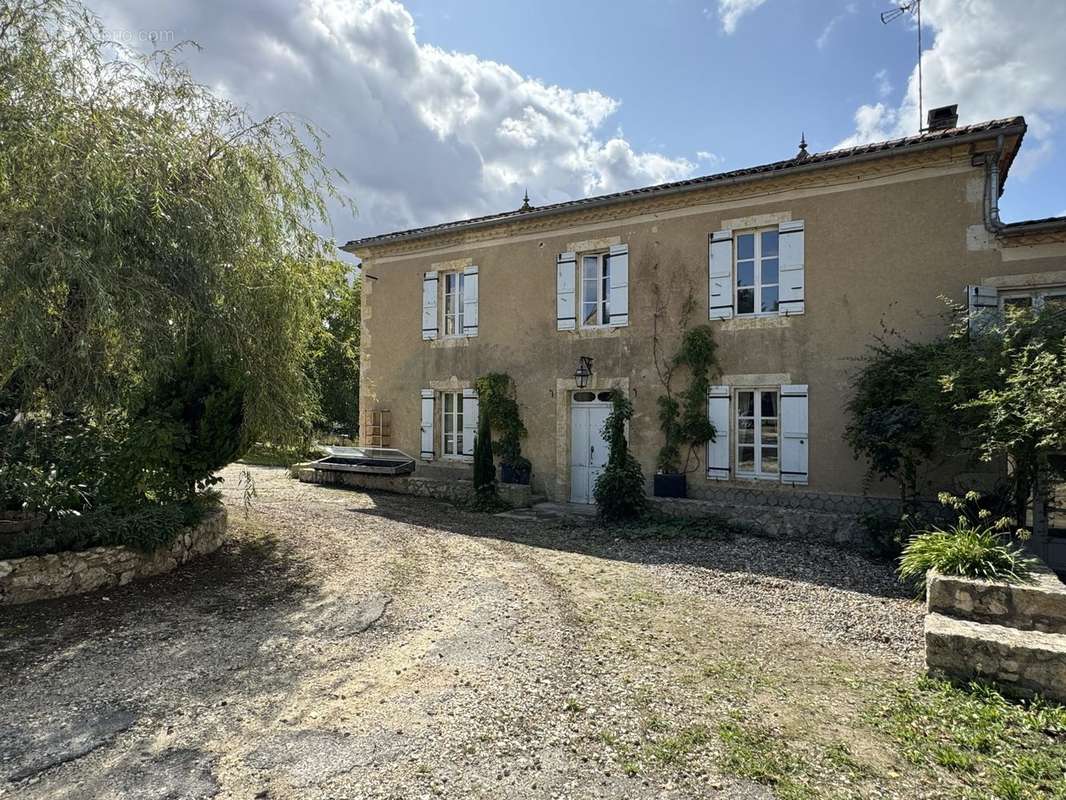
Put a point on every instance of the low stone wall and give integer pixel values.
(57, 574)
(1014, 634)
(778, 522)
(519, 496)
(1036, 606)
(784, 513)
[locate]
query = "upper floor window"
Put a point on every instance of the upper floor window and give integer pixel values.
(453, 303)
(757, 272)
(449, 303)
(595, 289)
(757, 433)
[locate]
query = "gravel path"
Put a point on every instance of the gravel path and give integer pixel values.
(343, 645)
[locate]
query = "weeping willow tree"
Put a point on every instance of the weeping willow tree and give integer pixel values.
(141, 215)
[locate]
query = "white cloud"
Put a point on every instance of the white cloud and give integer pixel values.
(991, 60)
(424, 135)
(730, 12)
(884, 85)
(827, 31)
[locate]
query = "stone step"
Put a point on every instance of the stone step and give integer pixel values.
(1039, 605)
(1029, 662)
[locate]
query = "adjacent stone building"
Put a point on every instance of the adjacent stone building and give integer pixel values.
(797, 265)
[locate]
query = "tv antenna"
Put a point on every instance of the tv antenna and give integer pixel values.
(913, 7)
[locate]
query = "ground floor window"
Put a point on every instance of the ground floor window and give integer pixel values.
(1036, 299)
(453, 424)
(757, 433)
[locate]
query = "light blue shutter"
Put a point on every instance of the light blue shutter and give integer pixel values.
(429, 305)
(426, 433)
(470, 290)
(619, 285)
(720, 275)
(470, 412)
(566, 292)
(718, 450)
(794, 434)
(790, 268)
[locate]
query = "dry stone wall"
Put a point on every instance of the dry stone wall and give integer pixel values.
(23, 580)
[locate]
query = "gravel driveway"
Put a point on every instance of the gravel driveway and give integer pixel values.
(345, 645)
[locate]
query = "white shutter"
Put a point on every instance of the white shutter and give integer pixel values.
(470, 279)
(566, 292)
(427, 425)
(718, 450)
(720, 274)
(429, 305)
(790, 267)
(982, 303)
(470, 411)
(619, 285)
(794, 434)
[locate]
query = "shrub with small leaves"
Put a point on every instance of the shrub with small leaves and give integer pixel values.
(619, 489)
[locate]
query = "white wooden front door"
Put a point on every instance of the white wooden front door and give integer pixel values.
(588, 450)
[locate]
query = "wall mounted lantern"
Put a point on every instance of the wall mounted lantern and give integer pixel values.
(583, 372)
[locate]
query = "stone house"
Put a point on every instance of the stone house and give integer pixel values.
(797, 265)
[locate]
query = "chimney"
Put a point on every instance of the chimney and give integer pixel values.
(943, 118)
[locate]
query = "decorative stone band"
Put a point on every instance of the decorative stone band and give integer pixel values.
(23, 580)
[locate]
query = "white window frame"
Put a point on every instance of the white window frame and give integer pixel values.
(603, 289)
(455, 297)
(757, 260)
(758, 473)
(1036, 297)
(451, 444)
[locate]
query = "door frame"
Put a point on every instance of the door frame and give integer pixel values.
(564, 389)
(577, 405)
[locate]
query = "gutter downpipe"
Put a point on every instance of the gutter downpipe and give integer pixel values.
(992, 220)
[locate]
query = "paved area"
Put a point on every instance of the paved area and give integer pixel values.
(344, 645)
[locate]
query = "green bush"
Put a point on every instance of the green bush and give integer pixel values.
(966, 550)
(619, 490)
(484, 469)
(184, 429)
(145, 529)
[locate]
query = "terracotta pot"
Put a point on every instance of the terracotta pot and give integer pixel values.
(15, 522)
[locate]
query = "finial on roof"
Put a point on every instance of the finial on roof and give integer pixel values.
(525, 202)
(802, 154)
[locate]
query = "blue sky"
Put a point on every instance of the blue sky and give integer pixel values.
(443, 109)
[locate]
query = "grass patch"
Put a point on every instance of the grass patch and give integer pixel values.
(757, 754)
(674, 750)
(996, 747)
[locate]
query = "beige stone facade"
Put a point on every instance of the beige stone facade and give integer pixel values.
(887, 233)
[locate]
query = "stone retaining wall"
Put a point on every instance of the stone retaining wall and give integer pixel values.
(73, 572)
(519, 496)
(1036, 606)
(1013, 634)
(778, 522)
(793, 514)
